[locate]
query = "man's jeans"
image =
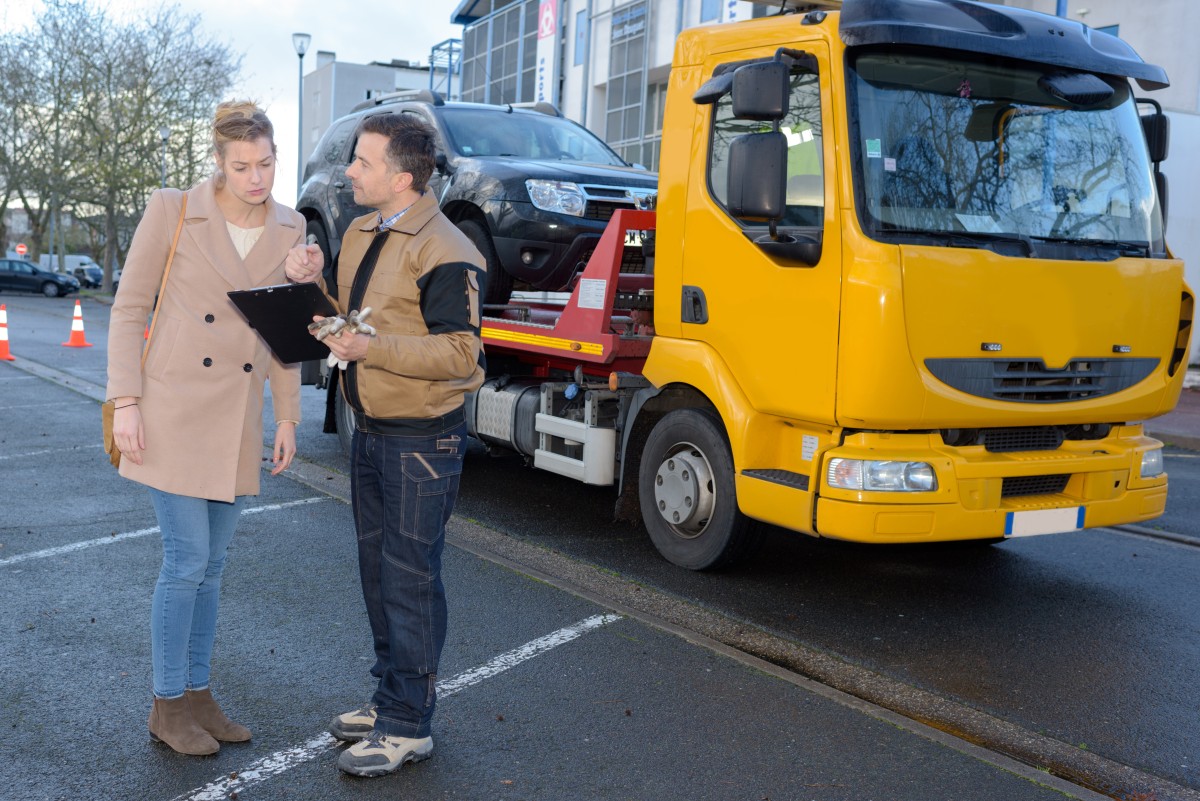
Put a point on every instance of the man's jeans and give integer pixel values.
(403, 490)
(183, 614)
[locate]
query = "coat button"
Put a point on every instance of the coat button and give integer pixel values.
(248, 368)
(208, 318)
(207, 362)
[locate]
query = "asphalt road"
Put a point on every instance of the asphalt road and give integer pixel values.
(1087, 641)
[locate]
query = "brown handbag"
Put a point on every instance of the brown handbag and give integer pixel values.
(107, 408)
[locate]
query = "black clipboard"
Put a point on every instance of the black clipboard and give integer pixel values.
(281, 314)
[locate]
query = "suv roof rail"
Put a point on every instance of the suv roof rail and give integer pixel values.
(420, 95)
(540, 106)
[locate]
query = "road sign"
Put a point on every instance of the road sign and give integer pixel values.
(21, 249)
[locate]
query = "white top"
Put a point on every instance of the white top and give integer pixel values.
(243, 238)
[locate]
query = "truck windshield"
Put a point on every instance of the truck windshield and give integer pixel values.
(962, 151)
(495, 132)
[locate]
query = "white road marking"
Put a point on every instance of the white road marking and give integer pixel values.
(282, 761)
(50, 450)
(47, 405)
(128, 535)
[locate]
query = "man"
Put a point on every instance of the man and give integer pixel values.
(421, 278)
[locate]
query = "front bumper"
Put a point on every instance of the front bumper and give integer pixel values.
(1101, 486)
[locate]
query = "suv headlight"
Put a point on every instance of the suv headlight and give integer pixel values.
(876, 476)
(1152, 463)
(562, 197)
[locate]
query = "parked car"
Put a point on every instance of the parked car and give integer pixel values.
(530, 188)
(22, 276)
(89, 275)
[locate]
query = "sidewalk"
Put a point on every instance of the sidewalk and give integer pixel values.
(1181, 427)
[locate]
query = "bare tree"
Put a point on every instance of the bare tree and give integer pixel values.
(84, 97)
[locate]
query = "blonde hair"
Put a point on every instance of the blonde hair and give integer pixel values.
(239, 121)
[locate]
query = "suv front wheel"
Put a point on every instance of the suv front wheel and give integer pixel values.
(499, 283)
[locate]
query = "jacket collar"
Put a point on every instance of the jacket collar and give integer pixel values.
(420, 213)
(206, 226)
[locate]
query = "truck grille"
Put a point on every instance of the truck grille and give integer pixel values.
(1030, 381)
(1014, 440)
(1015, 486)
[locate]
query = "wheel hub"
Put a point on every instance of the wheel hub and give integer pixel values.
(683, 491)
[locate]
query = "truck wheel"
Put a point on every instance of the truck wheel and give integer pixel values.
(688, 500)
(50, 289)
(499, 283)
(345, 421)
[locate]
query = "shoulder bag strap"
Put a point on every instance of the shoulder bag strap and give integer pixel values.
(163, 287)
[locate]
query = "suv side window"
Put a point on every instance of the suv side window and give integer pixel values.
(335, 145)
(802, 126)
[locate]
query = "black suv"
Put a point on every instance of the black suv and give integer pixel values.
(531, 189)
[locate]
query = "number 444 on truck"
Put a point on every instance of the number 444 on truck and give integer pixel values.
(910, 284)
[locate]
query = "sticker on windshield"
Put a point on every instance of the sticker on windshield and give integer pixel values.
(874, 148)
(889, 165)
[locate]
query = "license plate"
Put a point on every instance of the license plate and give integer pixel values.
(633, 238)
(1043, 521)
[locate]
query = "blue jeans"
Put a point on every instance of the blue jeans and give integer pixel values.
(404, 488)
(183, 615)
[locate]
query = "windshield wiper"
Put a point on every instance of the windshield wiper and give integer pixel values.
(1122, 247)
(998, 243)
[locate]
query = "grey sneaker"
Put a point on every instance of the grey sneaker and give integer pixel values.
(352, 726)
(377, 754)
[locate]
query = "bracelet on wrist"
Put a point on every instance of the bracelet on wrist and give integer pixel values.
(293, 422)
(126, 406)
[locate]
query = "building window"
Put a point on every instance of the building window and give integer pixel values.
(581, 37)
(710, 10)
(499, 62)
(623, 128)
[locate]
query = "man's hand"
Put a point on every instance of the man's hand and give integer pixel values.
(304, 263)
(348, 347)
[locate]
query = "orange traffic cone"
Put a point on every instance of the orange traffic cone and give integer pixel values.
(4, 354)
(77, 339)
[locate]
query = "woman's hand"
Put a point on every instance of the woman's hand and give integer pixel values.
(285, 445)
(128, 433)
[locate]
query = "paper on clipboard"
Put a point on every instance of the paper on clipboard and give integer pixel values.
(281, 314)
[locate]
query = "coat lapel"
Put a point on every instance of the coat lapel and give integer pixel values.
(206, 226)
(278, 236)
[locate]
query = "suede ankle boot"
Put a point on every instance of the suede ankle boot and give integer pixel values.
(171, 722)
(213, 720)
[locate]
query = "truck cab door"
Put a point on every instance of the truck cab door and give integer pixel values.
(772, 307)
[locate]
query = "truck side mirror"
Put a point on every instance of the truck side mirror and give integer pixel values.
(1160, 184)
(758, 175)
(760, 91)
(1157, 127)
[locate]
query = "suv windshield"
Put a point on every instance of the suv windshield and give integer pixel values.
(962, 151)
(488, 132)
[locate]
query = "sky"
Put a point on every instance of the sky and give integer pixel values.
(261, 32)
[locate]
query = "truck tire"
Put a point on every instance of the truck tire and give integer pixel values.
(686, 486)
(499, 286)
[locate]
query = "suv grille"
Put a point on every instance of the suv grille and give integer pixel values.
(1030, 381)
(602, 201)
(1015, 486)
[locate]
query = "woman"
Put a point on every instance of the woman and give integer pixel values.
(189, 423)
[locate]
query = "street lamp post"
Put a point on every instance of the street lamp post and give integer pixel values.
(300, 42)
(164, 133)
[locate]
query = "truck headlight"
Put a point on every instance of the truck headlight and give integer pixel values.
(878, 476)
(1152, 463)
(561, 197)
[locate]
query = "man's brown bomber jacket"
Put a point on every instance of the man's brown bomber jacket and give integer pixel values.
(424, 299)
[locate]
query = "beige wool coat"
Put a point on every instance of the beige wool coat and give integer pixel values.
(201, 391)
